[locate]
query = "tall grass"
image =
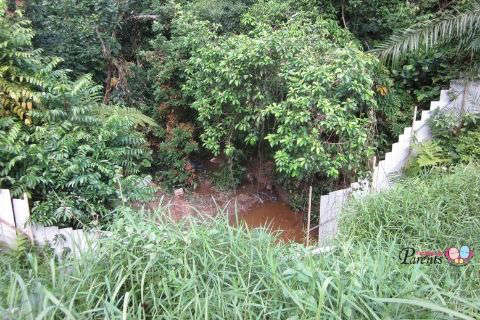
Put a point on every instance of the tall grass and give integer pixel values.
(435, 209)
(154, 269)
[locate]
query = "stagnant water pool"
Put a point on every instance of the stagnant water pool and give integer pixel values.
(278, 217)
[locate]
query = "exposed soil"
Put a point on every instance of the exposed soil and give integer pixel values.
(255, 209)
(206, 200)
(254, 203)
(277, 217)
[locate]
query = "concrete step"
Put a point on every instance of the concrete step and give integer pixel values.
(405, 138)
(380, 177)
(444, 98)
(418, 124)
(435, 105)
(395, 146)
(422, 131)
(400, 147)
(388, 156)
(426, 115)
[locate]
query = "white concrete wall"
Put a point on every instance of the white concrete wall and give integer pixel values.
(464, 99)
(15, 220)
(8, 233)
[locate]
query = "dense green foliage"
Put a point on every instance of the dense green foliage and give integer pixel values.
(456, 141)
(270, 80)
(148, 86)
(22, 69)
(152, 268)
(251, 89)
(91, 36)
(260, 93)
(422, 64)
(462, 26)
(266, 81)
(75, 157)
(78, 159)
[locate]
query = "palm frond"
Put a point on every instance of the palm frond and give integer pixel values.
(430, 34)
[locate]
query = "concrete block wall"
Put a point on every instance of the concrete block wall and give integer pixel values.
(15, 221)
(8, 233)
(387, 170)
(331, 205)
(463, 97)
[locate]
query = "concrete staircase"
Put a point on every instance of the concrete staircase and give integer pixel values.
(461, 98)
(387, 170)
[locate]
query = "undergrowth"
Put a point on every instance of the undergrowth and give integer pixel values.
(436, 209)
(152, 268)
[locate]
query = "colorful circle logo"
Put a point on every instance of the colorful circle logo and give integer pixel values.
(459, 257)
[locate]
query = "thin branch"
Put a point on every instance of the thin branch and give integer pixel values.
(343, 15)
(105, 51)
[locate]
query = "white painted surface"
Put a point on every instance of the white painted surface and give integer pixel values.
(15, 216)
(22, 216)
(387, 171)
(7, 220)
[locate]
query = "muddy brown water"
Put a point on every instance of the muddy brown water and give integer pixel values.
(277, 217)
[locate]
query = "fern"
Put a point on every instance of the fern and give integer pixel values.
(73, 159)
(428, 155)
(130, 114)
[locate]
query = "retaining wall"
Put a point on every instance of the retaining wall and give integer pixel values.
(462, 97)
(15, 221)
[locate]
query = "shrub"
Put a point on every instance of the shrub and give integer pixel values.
(94, 37)
(468, 147)
(229, 176)
(177, 34)
(22, 70)
(455, 141)
(171, 156)
(225, 13)
(308, 98)
(79, 159)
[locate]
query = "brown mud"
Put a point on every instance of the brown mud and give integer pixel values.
(277, 217)
(252, 208)
(254, 204)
